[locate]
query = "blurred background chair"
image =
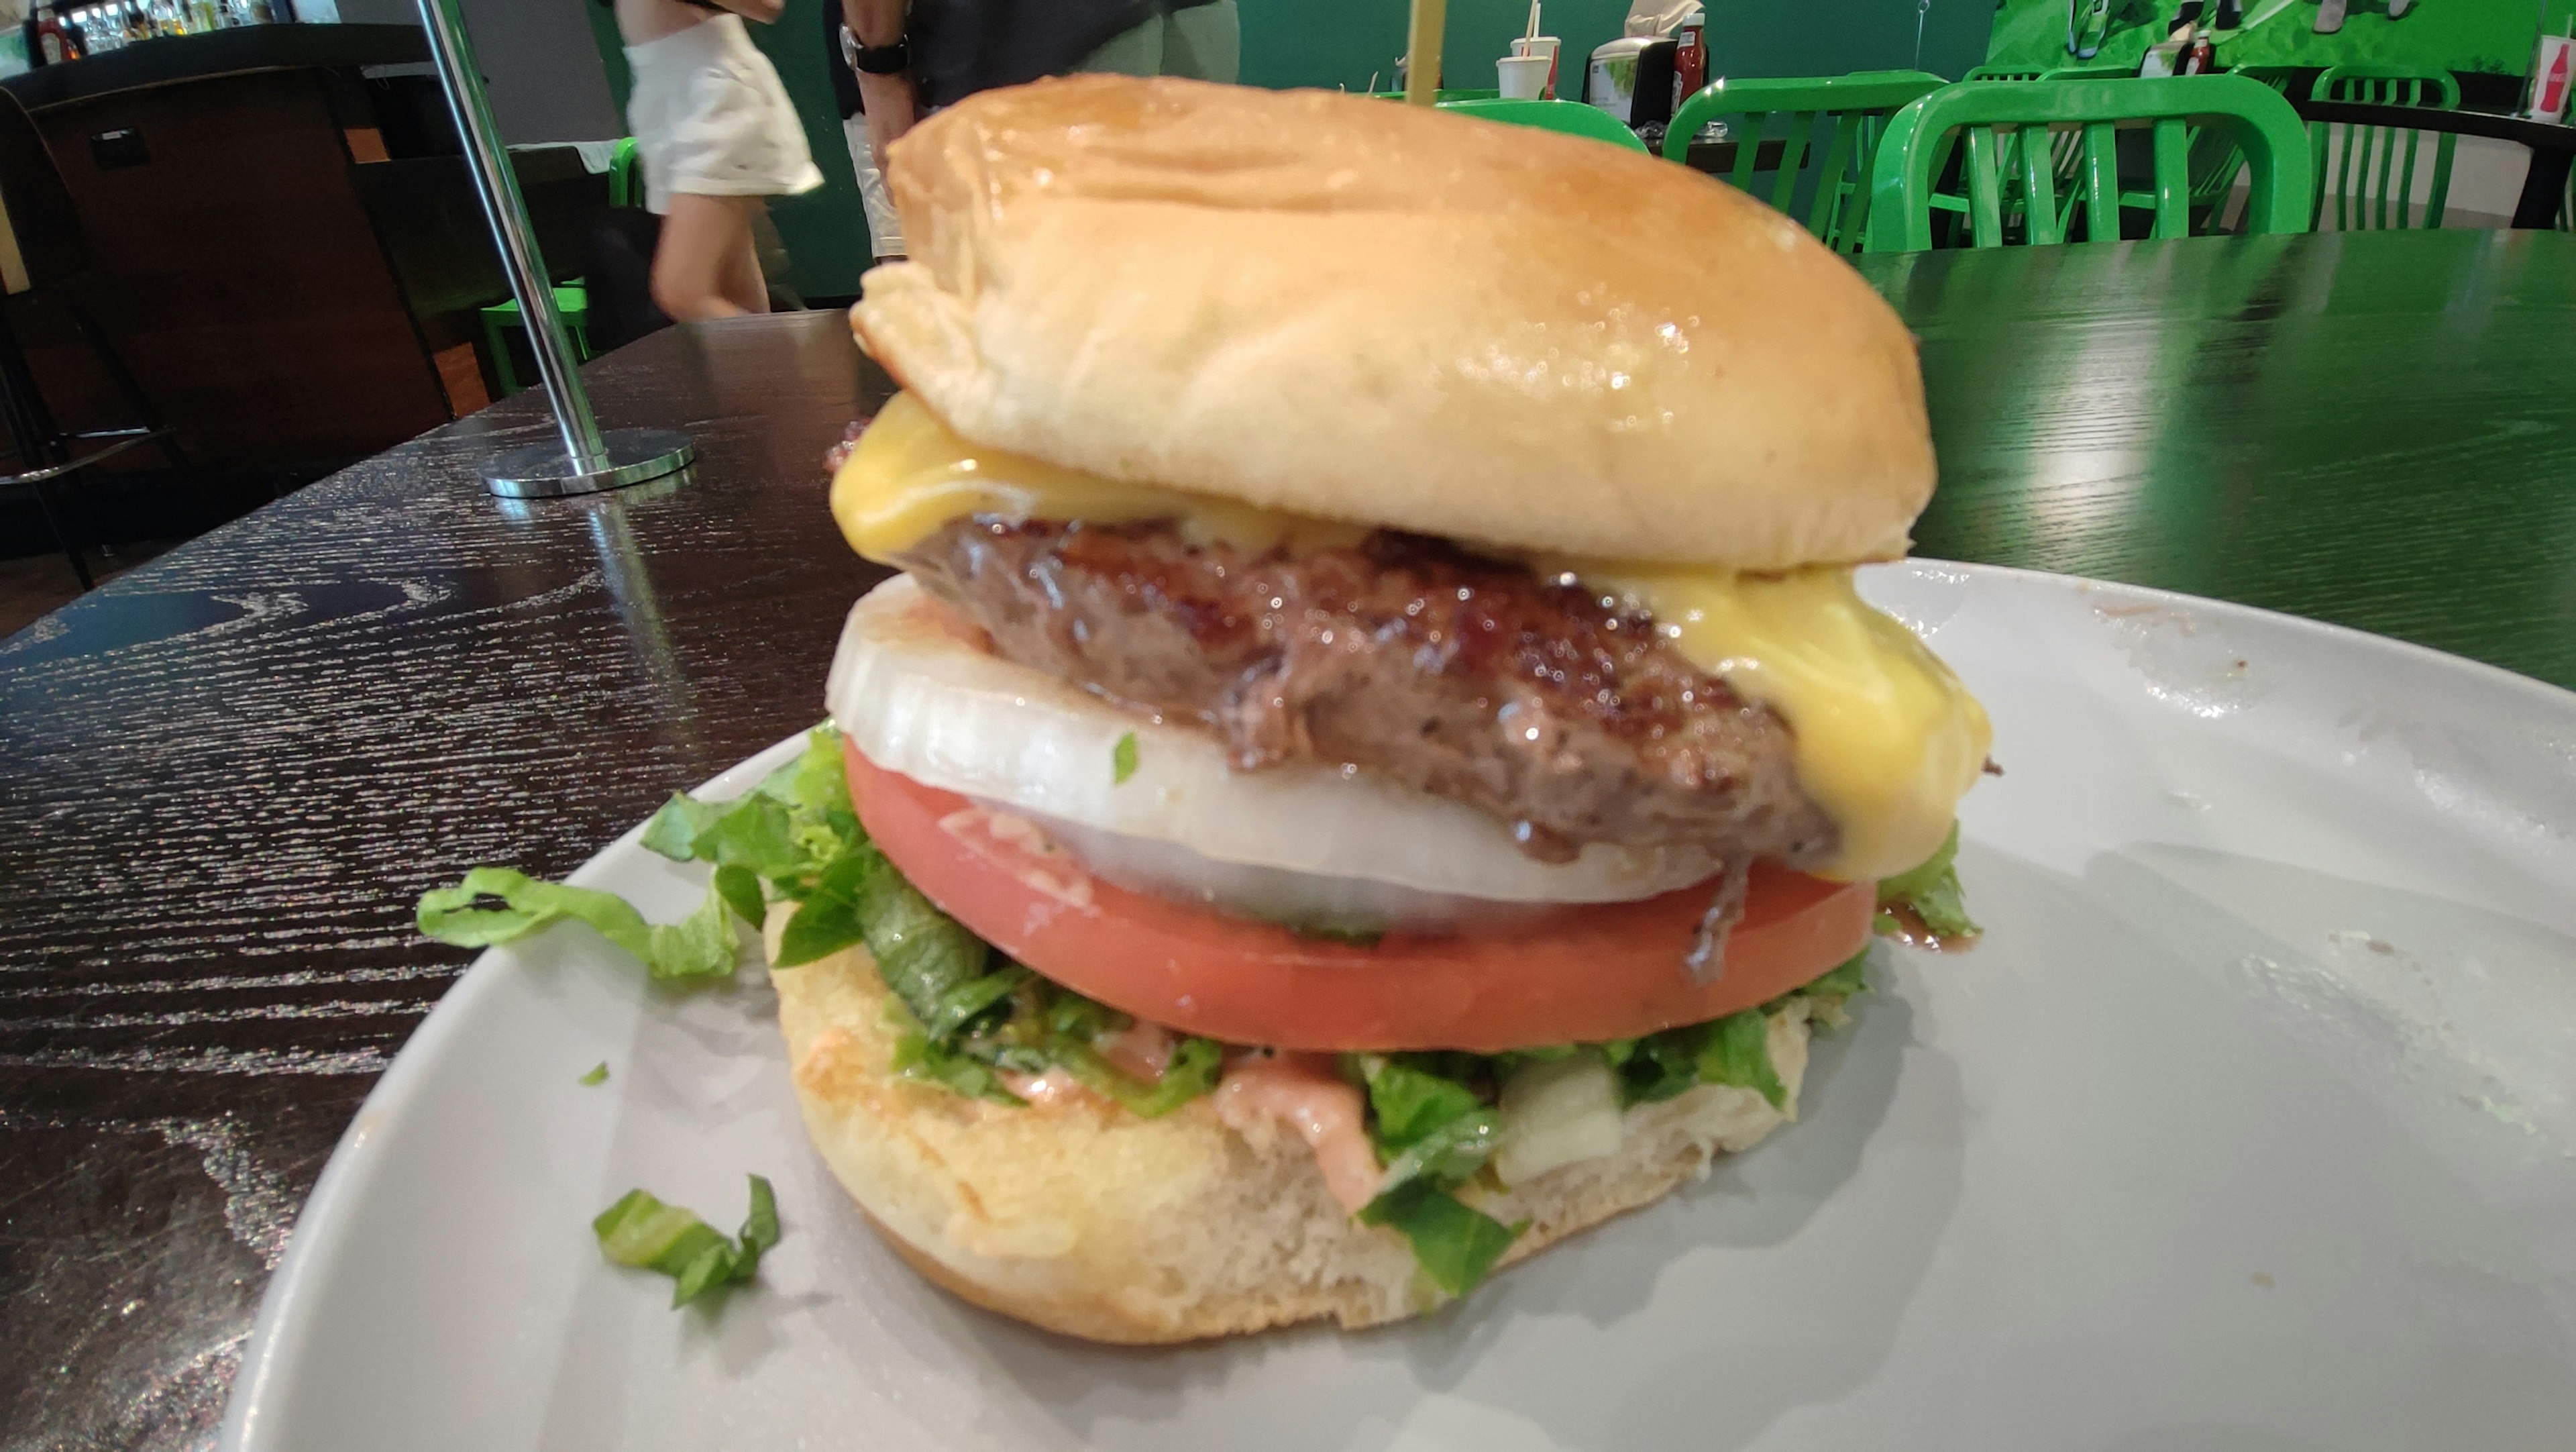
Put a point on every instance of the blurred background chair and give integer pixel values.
(2246, 114)
(2384, 199)
(1827, 131)
(1573, 118)
(41, 250)
(501, 321)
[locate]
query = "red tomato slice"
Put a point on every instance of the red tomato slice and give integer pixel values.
(1599, 971)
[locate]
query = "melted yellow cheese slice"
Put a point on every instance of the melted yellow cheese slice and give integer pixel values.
(909, 474)
(1888, 739)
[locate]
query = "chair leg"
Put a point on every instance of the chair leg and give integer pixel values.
(135, 399)
(31, 424)
(53, 521)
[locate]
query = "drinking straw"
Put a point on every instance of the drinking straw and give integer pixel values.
(1422, 52)
(1532, 32)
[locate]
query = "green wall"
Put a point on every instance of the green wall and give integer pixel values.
(1341, 42)
(2492, 36)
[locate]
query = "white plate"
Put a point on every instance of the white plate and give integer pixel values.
(2249, 1126)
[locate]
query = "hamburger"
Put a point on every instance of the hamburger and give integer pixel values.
(1373, 762)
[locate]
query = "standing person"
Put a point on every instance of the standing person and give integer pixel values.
(717, 135)
(911, 57)
(885, 229)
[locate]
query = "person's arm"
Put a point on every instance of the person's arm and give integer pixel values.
(889, 99)
(763, 11)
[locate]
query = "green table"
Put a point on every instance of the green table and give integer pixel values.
(2374, 428)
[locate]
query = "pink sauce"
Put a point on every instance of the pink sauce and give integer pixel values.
(1055, 1086)
(1302, 1091)
(1141, 1050)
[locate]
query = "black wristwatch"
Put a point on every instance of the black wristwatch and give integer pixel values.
(875, 60)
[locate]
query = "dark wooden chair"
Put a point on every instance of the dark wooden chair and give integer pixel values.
(41, 249)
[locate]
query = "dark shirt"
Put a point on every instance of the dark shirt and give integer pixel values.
(960, 47)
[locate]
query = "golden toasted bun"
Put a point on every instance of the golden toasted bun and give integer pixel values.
(1082, 1218)
(1363, 311)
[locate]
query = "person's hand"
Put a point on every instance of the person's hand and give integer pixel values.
(891, 108)
(763, 11)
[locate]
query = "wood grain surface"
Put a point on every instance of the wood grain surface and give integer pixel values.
(225, 777)
(2376, 428)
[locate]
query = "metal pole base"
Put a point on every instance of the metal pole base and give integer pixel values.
(545, 471)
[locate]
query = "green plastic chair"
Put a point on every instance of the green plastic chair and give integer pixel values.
(2065, 148)
(2260, 123)
(1573, 118)
(572, 299)
(2373, 203)
(1830, 128)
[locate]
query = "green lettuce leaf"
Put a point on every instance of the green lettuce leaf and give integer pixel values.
(1738, 1052)
(1658, 1066)
(1847, 978)
(826, 919)
(1408, 1102)
(1192, 1072)
(1931, 892)
(917, 1058)
(698, 949)
(740, 888)
(643, 1232)
(1454, 1243)
(1122, 760)
(1448, 1155)
(815, 788)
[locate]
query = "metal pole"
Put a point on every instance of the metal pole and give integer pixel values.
(587, 460)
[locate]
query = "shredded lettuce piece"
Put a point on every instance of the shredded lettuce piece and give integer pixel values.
(1433, 1133)
(1847, 979)
(1192, 1072)
(783, 833)
(1453, 1242)
(1738, 1052)
(598, 1075)
(1122, 760)
(1931, 892)
(643, 1232)
(698, 949)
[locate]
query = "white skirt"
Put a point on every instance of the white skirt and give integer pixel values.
(710, 118)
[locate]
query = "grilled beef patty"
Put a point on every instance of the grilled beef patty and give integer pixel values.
(1406, 657)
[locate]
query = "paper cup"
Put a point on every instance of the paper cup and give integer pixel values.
(1546, 45)
(2552, 70)
(1523, 77)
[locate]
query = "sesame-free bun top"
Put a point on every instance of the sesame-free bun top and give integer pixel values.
(1365, 311)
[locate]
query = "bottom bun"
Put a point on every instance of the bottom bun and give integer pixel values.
(1082, 1218)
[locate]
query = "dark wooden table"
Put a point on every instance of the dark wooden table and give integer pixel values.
(224, 777)
(2552, 147)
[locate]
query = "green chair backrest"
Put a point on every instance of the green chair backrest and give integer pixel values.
(2387, 199)
(2047, 73)
(2252, 115)
(621, 174)
(1570, 117)
(1829, 133)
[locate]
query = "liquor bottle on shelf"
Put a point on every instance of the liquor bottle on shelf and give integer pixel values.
(49, 41)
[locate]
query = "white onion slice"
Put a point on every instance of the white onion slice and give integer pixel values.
(918, 696)
(1311, 901)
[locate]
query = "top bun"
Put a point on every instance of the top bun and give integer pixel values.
(1359, 310)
